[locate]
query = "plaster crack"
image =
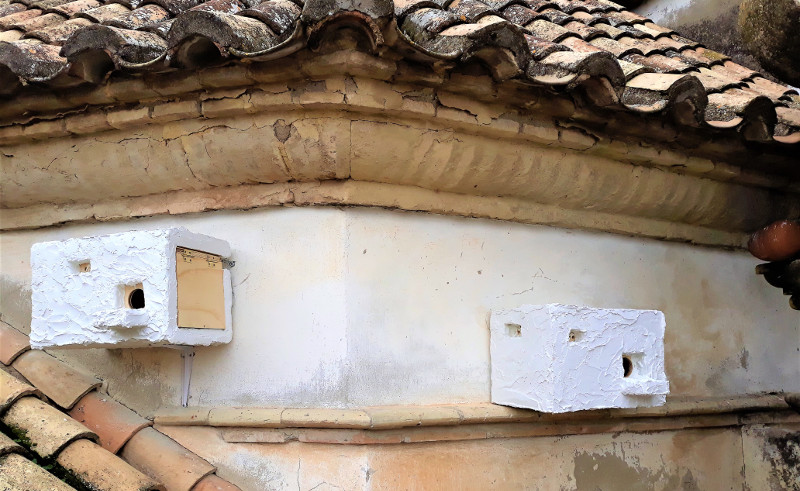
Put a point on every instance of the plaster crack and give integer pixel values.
(298, 474)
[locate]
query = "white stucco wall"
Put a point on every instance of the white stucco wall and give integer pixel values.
(356, 306)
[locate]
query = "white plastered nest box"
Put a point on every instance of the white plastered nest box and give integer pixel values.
(131, 289)
(559, 358)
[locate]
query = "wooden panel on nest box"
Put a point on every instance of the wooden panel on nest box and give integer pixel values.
(201, 298)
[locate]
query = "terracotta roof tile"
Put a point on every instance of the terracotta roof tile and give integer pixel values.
(12, 389)
(161, 35)
(610, 30)
(165, 460)
(214, 483)
(9, 21)
(60, 382)
(715, 81)
(105, 12)
(39, 22)
(11, 8)
(12, 343)
(58, 33)
(7, 446)
(10, 35)
(585, 32)
(142, 17)
(734, 103)
(69, 9)
(554, 16)
(48, 429)
(769, 88)
(19, 473)
(114, 423)
(97, 468)
(789, 117)
(50, 434)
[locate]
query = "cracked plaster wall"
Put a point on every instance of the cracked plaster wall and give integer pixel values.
(690, 459)
(346, 307)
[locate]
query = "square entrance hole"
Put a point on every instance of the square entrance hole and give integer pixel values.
(514, 330)
(133, 296)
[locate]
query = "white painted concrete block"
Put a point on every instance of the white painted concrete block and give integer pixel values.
(559, 358)
(81, 290)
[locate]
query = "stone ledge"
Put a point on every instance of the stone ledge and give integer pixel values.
(485, 431)
(395, 417)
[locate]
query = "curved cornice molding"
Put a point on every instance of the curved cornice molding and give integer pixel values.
(369, 132)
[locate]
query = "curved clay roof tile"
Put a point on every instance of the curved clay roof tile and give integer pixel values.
(31, 60)
(227, 32)
(96, 49)
(564, 43)
(279, 15)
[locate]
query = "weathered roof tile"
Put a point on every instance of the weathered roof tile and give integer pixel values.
(48, 429)
(278, 15)
(104, 13)
(60, 382)
(114, 423)
(10, 35)
(142, 17)
(18, 473)
(166, 461)
(11, 20)
(12, 389)
(69, 9)
(540, 48)
(7, 446)
(714, 81)
(519, 14)
(548, 31)
(165, 34)
(12, 343)
(97, 468)
(11, 8)
(39, 22)
(51, 434)
(612, 31)
(58, 33)
(769, 88)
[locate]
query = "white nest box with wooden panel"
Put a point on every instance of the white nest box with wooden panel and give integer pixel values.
(138, 288)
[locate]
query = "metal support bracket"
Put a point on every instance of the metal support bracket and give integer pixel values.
(187, 353)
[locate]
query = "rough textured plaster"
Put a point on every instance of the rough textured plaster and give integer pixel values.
(360, 307)
(559, 358)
